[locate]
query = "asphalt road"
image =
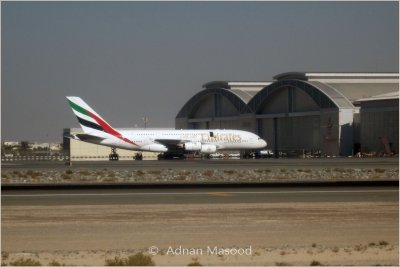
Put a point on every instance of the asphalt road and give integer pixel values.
(215, 164)
(199, 196)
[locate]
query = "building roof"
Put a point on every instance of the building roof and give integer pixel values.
(238, 98)
(355, 91)
(340, 76)
(388, 96)
(324, 95)
(244, 90)
(341, 90)
(353, 86)
(340, 99)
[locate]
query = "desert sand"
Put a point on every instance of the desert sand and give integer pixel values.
(332, 233)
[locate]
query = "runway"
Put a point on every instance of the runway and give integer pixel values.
(72, 218)
(214, 164)
(99, 220)
(202, 195)
(65, 222)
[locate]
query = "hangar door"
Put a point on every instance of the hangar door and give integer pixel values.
(291, 134)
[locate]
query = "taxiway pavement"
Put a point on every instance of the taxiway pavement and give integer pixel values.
(220, 195)
(212, 164)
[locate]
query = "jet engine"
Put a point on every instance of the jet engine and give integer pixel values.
(192, 146)
(208, 149)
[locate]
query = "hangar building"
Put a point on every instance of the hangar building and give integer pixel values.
(298, 113)
(379, 120)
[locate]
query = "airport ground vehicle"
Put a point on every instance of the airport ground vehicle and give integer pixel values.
(267, 153)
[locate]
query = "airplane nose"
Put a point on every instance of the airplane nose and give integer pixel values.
(264, 143)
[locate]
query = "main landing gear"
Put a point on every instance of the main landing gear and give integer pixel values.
(113, 155)
(138, 156)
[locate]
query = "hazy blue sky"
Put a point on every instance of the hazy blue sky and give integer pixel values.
(130, 59)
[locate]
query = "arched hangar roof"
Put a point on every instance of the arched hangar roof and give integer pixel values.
(328, 90)
(239, 101)
(245, 90)
(324, 95)
(353, 86)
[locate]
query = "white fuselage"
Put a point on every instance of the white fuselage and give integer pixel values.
(98, 131)
(204, 141)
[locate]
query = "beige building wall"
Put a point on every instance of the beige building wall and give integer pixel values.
(82, 151)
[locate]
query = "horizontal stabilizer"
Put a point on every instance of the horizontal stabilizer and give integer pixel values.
(71, 136)
(84, 137)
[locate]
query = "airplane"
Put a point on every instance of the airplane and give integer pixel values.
(169, 142)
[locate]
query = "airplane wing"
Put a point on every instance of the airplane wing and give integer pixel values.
(172, 144)
(176, 144)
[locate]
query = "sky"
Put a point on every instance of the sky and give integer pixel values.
(128, 60)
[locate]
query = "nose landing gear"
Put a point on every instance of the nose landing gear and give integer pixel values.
(113, 155)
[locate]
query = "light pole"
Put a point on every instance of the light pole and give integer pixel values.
(145, 120)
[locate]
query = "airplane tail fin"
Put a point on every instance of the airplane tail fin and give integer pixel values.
(89, 120)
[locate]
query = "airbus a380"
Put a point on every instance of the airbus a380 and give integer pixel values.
(98, 131)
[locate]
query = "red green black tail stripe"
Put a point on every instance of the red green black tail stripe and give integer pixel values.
(90, 124)
(101, 126)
